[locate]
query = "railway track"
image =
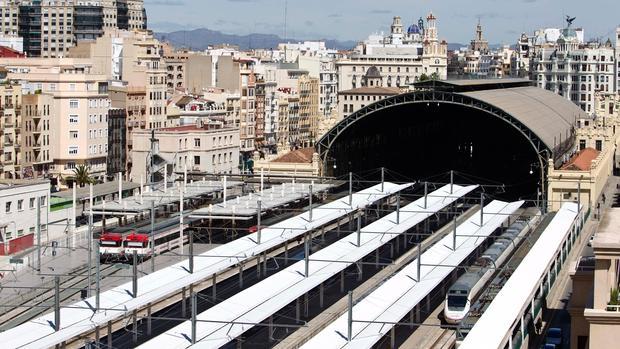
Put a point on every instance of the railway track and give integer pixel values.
(36, 303)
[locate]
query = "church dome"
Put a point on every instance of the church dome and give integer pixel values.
(413, 29)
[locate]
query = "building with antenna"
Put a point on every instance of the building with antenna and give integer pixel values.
(571, 68)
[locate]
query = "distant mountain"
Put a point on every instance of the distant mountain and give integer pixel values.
(200, 39)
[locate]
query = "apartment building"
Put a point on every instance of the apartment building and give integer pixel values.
(10, 130)
(132, 58)
(136, 14)
(116, 161)
(575, 72)
(36, 117)
(288, 136)
(247, 115)
(78, 123)
(305, 133)
(259, 130)
(9, 22)
(190, 71)
(50, 27)
(207, 148)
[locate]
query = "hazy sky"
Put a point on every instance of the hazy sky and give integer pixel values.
(503, 20)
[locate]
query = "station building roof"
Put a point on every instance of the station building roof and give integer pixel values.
(548, 115)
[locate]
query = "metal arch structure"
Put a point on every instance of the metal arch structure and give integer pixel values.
(544, 153)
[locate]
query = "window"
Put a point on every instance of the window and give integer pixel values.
(196, 160)
(197, 142)
(8, 207)
(20, 205)
(73, 150)
(73, 119)
(74, 104)
(73, 134)
(599, 145)
(32, 202)
(582, 144)
(20, 232)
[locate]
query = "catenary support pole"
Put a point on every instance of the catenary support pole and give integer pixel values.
(89, 238)
(359, 230)
(350, 317)
(57, 303)
(451, 181)
(194, 314)
(152, 236)
(39, 234)
(191, 252)
(134, 275)
(181, 204)
(307, 255)
(398, 208)
(481, 209)
(258, 222)
(350, 188)
(310, 202)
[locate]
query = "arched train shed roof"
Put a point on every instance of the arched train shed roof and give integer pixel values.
(550, 116)
(541, 115)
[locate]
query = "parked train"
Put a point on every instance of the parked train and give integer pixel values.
(120, 246)
(469, 286)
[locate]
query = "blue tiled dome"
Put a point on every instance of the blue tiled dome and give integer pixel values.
(413, 29)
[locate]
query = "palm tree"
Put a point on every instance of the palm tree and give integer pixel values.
(82, 175)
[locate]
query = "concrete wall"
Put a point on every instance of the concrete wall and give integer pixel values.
(198, 73)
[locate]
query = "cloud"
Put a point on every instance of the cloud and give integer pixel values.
(335, 15)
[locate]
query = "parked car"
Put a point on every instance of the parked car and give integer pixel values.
(554, 336)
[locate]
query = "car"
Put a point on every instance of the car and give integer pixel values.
(554, 336)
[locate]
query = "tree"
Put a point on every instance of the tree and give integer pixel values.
(82, 175)
(434, 76)
(423, 77)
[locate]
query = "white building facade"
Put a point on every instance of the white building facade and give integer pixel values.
(402, 57)
(18, 213)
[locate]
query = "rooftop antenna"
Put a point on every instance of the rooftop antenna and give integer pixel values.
(285, 17)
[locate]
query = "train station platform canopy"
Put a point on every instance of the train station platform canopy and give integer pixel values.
(246, 207)
(160, 197)
(80, 317)
(376, 313)
(99, 190)
(236, 315)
